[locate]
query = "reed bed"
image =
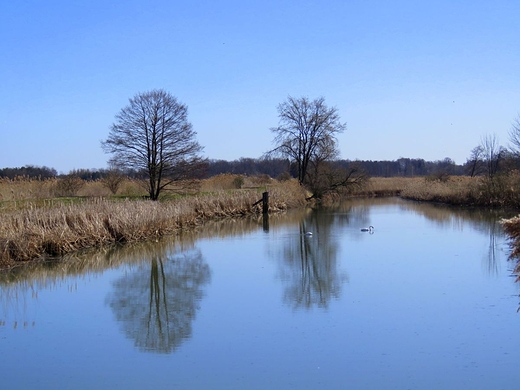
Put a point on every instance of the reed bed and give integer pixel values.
(501, 191)
(383, 186)
(512, 229)
(37, 232)
(21, 189)
(455, 190)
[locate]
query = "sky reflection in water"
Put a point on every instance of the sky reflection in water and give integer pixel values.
(426, 301)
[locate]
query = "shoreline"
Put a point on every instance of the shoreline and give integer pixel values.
(51, 228)
(32, 234)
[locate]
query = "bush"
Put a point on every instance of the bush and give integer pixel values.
(112, 181)
(238, 182)
(68, 186)
(442, 177)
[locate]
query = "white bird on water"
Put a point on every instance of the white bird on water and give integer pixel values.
(368, 229)
(308, 234)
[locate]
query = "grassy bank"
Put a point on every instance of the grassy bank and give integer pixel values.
(453, 190)
(60, 227)
(36, 222)
(497, 192)
(512, 229)
(381, 186)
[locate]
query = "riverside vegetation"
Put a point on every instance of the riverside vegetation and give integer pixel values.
(34, 224)
(41, 219)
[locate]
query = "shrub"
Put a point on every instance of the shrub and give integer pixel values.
(68, 186)
(112, 181)
(238, 182)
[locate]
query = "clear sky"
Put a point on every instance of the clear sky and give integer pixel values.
(418, 79)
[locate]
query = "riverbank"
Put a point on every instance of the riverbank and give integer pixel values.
(36, 225)
(496, 192)
(58, 228)
(512, 229)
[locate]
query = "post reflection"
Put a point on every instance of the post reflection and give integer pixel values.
(157, 302)
(308, 264)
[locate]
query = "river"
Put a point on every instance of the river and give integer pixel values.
(426, 300)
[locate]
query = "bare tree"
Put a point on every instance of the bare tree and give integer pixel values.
(493, 154)
(112, 180)
(514, 137)
(475, 164)
(152, 135)
(330, 177)
(306, 133)
(68, 185)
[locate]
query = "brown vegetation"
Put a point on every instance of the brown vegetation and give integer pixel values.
(35, 223)
(456, 190)
(34, 229)
(501, 191)
(382, 186)
(512, 229)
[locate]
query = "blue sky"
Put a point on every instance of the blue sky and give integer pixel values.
(418, 79)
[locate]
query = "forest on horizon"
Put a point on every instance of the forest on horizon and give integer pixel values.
(275, 168)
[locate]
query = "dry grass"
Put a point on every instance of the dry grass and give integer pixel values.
(501, 191)
(230, 182)
(59, 228)
(34, 223)
(512, 229)
(28, 193)
(455, 190)
(21, 189)
(383, 186)
(40, 274)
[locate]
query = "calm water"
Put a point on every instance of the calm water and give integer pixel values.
(425, 302)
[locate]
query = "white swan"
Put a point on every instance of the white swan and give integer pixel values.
(368, 229)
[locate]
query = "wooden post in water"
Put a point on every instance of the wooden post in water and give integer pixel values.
(265, 223)
(265, 203)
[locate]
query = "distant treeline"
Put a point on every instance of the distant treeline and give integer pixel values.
(410, 167)
(402, 167)
(28, 171)
(276, 168)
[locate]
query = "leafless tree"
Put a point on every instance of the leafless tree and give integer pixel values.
(493, 154)
(330, 177)
(112, 180)
(68, 185)
(514, 137)
(152, 135)
(475, 164)
(306, 133)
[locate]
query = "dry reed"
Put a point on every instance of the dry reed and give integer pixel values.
(500, 191)
(35, 232)
(383, 186)
(455, 190)
(512, 229)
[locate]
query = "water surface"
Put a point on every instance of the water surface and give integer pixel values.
(425, 301)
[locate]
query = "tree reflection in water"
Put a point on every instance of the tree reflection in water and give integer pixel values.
(308, 264)
(156, 304)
